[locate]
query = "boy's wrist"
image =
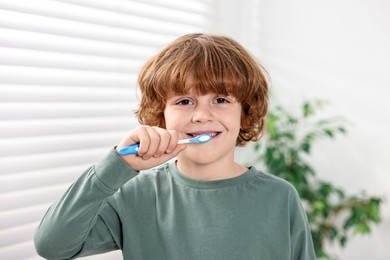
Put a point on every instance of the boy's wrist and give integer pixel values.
(113, 171)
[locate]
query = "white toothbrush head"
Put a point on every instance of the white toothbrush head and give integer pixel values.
(197, 139)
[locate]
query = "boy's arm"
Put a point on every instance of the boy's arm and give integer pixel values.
(76, 220)
(84, 220)
(301, 239)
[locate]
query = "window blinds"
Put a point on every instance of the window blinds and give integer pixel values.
(67, 94)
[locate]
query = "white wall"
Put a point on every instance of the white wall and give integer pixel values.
(338, 50)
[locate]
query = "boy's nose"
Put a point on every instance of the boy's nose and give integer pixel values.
(202, 113)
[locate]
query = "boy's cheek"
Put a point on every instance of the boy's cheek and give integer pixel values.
(175, 121)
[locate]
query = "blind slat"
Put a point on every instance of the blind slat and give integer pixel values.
(40, 178)
(14, 129)
(189, 5)
(19, 111)
(18, 234)
(25, 198)
(63, 44)
(53, 60)
(49, 127)
(36, 93)
(15, 164)
(22, 216)
(17, 251)
(48, 76)
(57, 143)
(179, 13)
(34, 23)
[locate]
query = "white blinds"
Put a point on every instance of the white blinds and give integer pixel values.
(67, 93)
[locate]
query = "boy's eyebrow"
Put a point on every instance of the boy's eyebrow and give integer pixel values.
(195, 94)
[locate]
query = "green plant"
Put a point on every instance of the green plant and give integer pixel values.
(334, 216)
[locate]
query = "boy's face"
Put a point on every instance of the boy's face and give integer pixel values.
(213, 114)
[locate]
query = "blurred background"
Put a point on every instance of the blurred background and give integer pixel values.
(68, 73)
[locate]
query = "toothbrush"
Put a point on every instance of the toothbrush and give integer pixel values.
(133, 149)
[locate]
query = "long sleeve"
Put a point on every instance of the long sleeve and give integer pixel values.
(86, 214)
(301, 239)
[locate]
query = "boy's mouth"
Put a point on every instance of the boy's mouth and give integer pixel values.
(195, 134)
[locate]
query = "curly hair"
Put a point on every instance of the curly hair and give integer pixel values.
(206, 64)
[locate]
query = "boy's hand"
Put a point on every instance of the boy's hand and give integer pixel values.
(157, 145)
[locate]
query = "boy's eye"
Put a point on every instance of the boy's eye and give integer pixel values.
(221, 100)
(184, 102)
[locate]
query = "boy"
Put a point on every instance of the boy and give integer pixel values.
(202, 205)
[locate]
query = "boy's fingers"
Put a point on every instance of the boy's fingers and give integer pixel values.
(157, 146)
(140, 163)
(174, 138)
(164, 139)
(149, 145)
(142, 134)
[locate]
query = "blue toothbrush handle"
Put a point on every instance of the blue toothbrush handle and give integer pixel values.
(132, 149)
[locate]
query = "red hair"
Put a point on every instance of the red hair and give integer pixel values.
(206, 64)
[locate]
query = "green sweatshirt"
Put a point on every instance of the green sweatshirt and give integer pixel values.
(161, 214)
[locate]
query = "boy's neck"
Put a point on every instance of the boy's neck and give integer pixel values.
(210, 172)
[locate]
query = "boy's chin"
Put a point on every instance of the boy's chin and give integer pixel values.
(198, 157)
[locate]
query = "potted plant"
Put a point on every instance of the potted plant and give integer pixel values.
(334, 215)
